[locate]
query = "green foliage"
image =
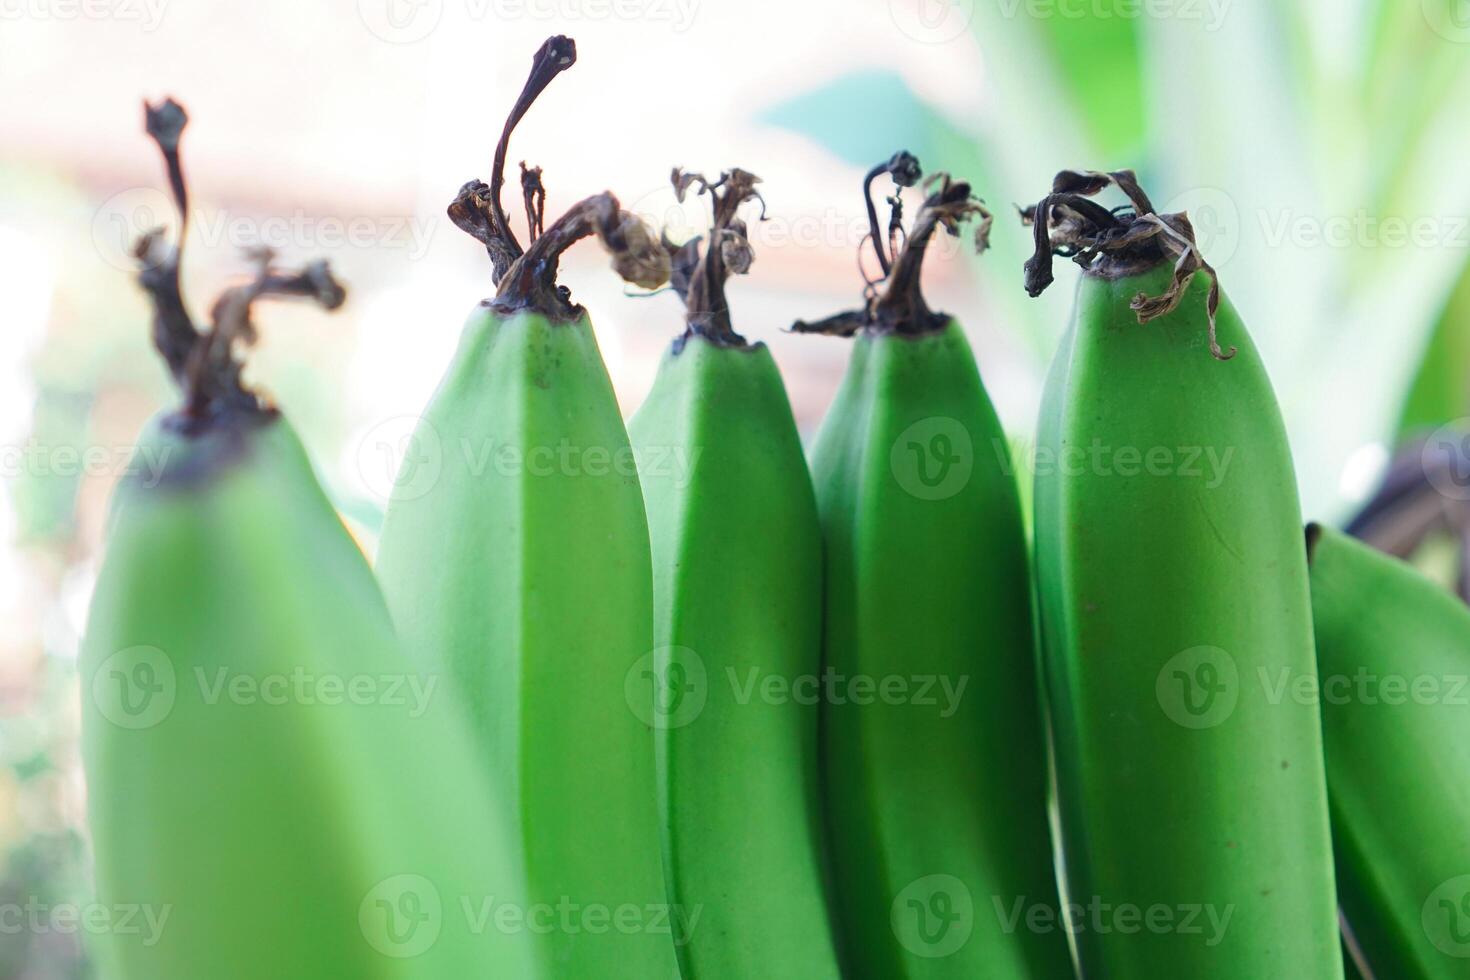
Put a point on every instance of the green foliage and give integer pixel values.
(1441, 390)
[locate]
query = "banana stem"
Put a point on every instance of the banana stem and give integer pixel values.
(476, 210)
(902, 307)
(173, 331)
(203, 363)
(904, 168)
(700, 280)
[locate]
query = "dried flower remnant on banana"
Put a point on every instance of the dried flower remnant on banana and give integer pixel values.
(526, 276)
(1119, 242)
(894, 301)
(205, 363)
(699, 277)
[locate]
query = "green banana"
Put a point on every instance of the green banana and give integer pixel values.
(737, 608)
(933, 751)
(1393, 652)
(515, 550)
(271, 791)
(1171, 583)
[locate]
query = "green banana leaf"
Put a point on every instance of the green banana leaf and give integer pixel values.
(1441, 389)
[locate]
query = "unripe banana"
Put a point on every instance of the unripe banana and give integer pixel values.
(1172, 583)
(737, 573)
(933, 753)
(268, 781)
(1393, 652)
(520, 558)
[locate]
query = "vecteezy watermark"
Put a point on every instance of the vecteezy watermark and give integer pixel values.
(410, 21)
(1198, 687)
(403, 458)
(1446, 917)
(567, 917)
(128, 214)
(1445, 456)
(147, 14)
(135, 688)
(1208, 464)
(404, 916)
(1219, 226)
(670, 688)
(300, 686)
(401, 21)
(1201, 687)
(932, 21)
(1209, 922)
(1209, 13)
(400, 458)
(39, 918)
(1365, 687)
(933, 916)
(1215, 219)
(933, 458)
(139, 688)
(1450, 19)
(144, 463)
(939, 691)
(1363, 229)
(667, 687)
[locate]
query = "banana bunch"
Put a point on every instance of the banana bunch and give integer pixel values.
(1172, 588)
(933, 757)
(270, 786)
(737, 574)
(1393, 652)
(515, 552)
(783, 720)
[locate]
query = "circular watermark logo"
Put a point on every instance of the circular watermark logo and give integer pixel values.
(135, 688)
(933, 458)
(1450, 19)
(667, 687)
(1215, 218)
(400, 458)
(123, 218)
(660, 209)
(400, 21)
(1199, 687)
(933, 916)
(932, 21)
(401, 916)
(1445, 457)
(1446, 917)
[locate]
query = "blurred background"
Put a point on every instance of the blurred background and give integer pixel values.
(1318, 146)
